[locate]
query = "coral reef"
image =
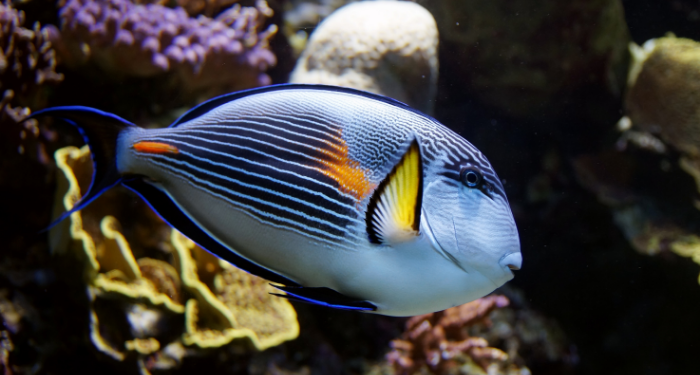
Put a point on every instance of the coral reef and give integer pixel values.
(28, 60)
(27, 74)
(537, 88)
(159, 310)
(440, 341)
(386, 47)
(492, 335)
(522, 59)
(227, 53)
(230, 304)
(662, 97)
(659, 139)
(27, 63)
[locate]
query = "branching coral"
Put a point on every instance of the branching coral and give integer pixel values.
(27, 62)
(229, 52)
(386, 47)
(440, 341)
(161, 311)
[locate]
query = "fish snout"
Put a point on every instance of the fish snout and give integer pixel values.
(513, 261)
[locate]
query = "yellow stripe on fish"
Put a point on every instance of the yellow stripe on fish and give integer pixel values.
(393, 213)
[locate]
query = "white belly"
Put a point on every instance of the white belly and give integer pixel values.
(403, 280)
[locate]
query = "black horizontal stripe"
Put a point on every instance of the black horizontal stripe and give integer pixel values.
(288, 167)
(300, 200)
(274, 215)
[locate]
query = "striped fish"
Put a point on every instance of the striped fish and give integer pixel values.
(340, 197)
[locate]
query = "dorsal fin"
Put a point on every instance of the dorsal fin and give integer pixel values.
(393, 212)
(213, 103)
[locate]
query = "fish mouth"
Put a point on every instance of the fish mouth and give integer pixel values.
(511, 262)
(436, 244)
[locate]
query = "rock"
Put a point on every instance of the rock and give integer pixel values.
(385, 47)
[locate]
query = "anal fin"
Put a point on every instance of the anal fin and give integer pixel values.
(324, 297)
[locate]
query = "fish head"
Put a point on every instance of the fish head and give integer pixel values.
(468, 219)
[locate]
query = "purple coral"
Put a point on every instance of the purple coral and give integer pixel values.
(145, 40)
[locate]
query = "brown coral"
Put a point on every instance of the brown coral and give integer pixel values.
(27, 62)
(440, 341)
(229, 304)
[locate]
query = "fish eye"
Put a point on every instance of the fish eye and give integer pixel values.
(470, 177)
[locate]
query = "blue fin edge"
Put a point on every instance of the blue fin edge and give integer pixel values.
(100, 131)
(76, 108)
(324, 297)
(210, 104)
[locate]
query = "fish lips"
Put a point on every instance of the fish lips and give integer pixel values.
(512, 261)
(509, 262)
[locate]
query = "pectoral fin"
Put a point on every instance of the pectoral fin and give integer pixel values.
(393, 212)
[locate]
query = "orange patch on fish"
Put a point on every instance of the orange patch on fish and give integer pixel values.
(155, 148)
(350, 176)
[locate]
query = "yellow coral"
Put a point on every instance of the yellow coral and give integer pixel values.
(241, 307)
(112, 267)
(143, 346)
(227, 303)
(688, 246)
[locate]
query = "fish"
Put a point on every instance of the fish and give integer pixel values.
(339, 197)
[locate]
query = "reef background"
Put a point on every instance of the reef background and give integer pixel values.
(618, 310)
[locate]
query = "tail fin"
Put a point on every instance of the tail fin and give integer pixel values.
(100, 131)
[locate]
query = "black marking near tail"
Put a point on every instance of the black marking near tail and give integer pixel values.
(100, 131)
(168, 210)
(324, 297)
